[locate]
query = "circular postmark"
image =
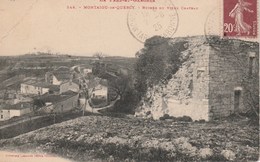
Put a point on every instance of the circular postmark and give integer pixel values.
(158, 19)
(213, 31)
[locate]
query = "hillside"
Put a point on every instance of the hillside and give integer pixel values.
(102, 138)
(36, 65)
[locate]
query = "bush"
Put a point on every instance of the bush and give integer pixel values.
(200, 121)
(98, 102)
(167, 116)
(184, 119)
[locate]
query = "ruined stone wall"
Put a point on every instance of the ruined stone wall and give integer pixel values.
(193, 82)
(204, 86)
(188, 90)
(229, 72)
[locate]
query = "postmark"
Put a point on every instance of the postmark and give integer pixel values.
(212, 28)
(159, 19)
(213, 32)
(240, 18)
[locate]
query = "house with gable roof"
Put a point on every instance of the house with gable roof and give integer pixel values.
(8, 111)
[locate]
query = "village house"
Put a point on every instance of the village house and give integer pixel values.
(33, 87)
(60, 75)
(19, 109)
(59, 103)
(100, 91)
(70, 86)
(87, 71)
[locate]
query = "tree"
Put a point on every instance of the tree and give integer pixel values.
(99, 55)
(123, 86)
(120, 84)
(157, 62)
(38, 102)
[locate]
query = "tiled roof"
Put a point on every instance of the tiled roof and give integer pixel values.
(18, 106)
(103, 82)
(62, 73)
(76, 81)
(54, 98)
(62, 76)
(62, 69)
(43, 85)
(54, 88)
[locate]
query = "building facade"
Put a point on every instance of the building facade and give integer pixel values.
(223, 81)
(234, 79)
(59, 103)
(37, 88)
(32, 89)
(9, 111)
(100, 91)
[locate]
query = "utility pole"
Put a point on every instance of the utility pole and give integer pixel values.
(84, 107)
(54, 116)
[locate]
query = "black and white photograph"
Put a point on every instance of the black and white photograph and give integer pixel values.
(129, 80)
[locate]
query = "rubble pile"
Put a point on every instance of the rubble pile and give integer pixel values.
(125, 139)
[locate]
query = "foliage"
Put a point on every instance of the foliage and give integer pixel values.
(176, 119)
(128, 102)
(123, 86)
(99, 55)
(38, 103)
(3, 63)
(120, 83)
(157, 62)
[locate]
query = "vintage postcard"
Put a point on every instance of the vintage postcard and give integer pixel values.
(129, 80)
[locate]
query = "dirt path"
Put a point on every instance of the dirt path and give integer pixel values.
(96, 110)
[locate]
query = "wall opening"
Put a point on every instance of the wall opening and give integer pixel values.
(251, 63)
(237, 98)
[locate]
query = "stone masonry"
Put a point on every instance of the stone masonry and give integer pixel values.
(211, 83)
(234, 78)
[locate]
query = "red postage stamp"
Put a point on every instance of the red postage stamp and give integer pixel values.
(240, 18)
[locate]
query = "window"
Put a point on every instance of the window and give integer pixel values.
(2, 116)
(200, 72)
(237, 98)
(251, 63)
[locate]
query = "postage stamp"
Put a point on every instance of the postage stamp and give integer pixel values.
(160, 20)
(240, 18)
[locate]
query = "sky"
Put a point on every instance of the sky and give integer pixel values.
(29, 26)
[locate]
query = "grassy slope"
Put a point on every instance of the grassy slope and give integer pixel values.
(107, 138)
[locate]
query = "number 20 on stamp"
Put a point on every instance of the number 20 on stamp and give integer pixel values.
(240, 18)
